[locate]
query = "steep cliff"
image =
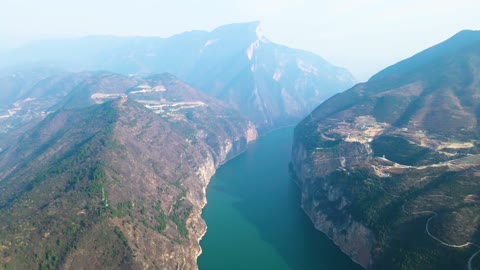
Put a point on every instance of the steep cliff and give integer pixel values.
(389, 169)
(324, 198)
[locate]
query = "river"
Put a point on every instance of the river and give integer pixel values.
(254, 217)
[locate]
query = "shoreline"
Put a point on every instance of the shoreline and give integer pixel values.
(204, 190)
(294, 177)
(199, 238)
(205, 201)
(333, 241)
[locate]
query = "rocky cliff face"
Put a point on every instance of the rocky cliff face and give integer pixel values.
(388, 169)
(118, 184)
(327, 203)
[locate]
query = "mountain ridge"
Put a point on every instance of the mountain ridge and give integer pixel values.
(394, 160)
(460, 40)
(117, 178)
(273, 85)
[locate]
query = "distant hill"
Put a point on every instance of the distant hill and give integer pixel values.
(28, 95)
(389, 168)
(271, 84)
(115, 177)
(16, 83)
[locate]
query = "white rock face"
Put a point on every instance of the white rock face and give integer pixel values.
(149, 89)
(210, 42)
(261, 38)
(260, 35)
(99, 98)
(252, 48)
(306, 67)
(277, 75)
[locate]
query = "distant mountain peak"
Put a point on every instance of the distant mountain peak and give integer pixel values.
(242, 25)
(253, 30)
(260, 33)
(272, 84)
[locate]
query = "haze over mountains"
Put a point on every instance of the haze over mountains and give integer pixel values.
(105, 159)
(389, 168)
(107, 145)
(271, 84)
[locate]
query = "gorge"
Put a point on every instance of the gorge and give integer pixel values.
(106, 157)
(254, 218)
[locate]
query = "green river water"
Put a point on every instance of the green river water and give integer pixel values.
(254, 217)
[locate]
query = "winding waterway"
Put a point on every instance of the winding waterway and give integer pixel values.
(254, 217)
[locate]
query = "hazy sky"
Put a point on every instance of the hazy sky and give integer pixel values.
(362, 35)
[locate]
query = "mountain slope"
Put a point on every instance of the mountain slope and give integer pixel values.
(119, 184)
(30, 94)
(461, 40)
(16, 82)
(389, 168)
(163, 93)
(271, 84)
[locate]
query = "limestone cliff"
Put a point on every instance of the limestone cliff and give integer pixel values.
(326, 203)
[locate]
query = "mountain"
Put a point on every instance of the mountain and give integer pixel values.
(16, 83)
(28, 95)
(115, 177)
(49, 93)
(389, 169)
(271, 84)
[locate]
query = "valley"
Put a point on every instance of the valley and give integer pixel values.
(108, 145)
(244, 196)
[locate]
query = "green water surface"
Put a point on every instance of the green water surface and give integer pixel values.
(254, 217)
